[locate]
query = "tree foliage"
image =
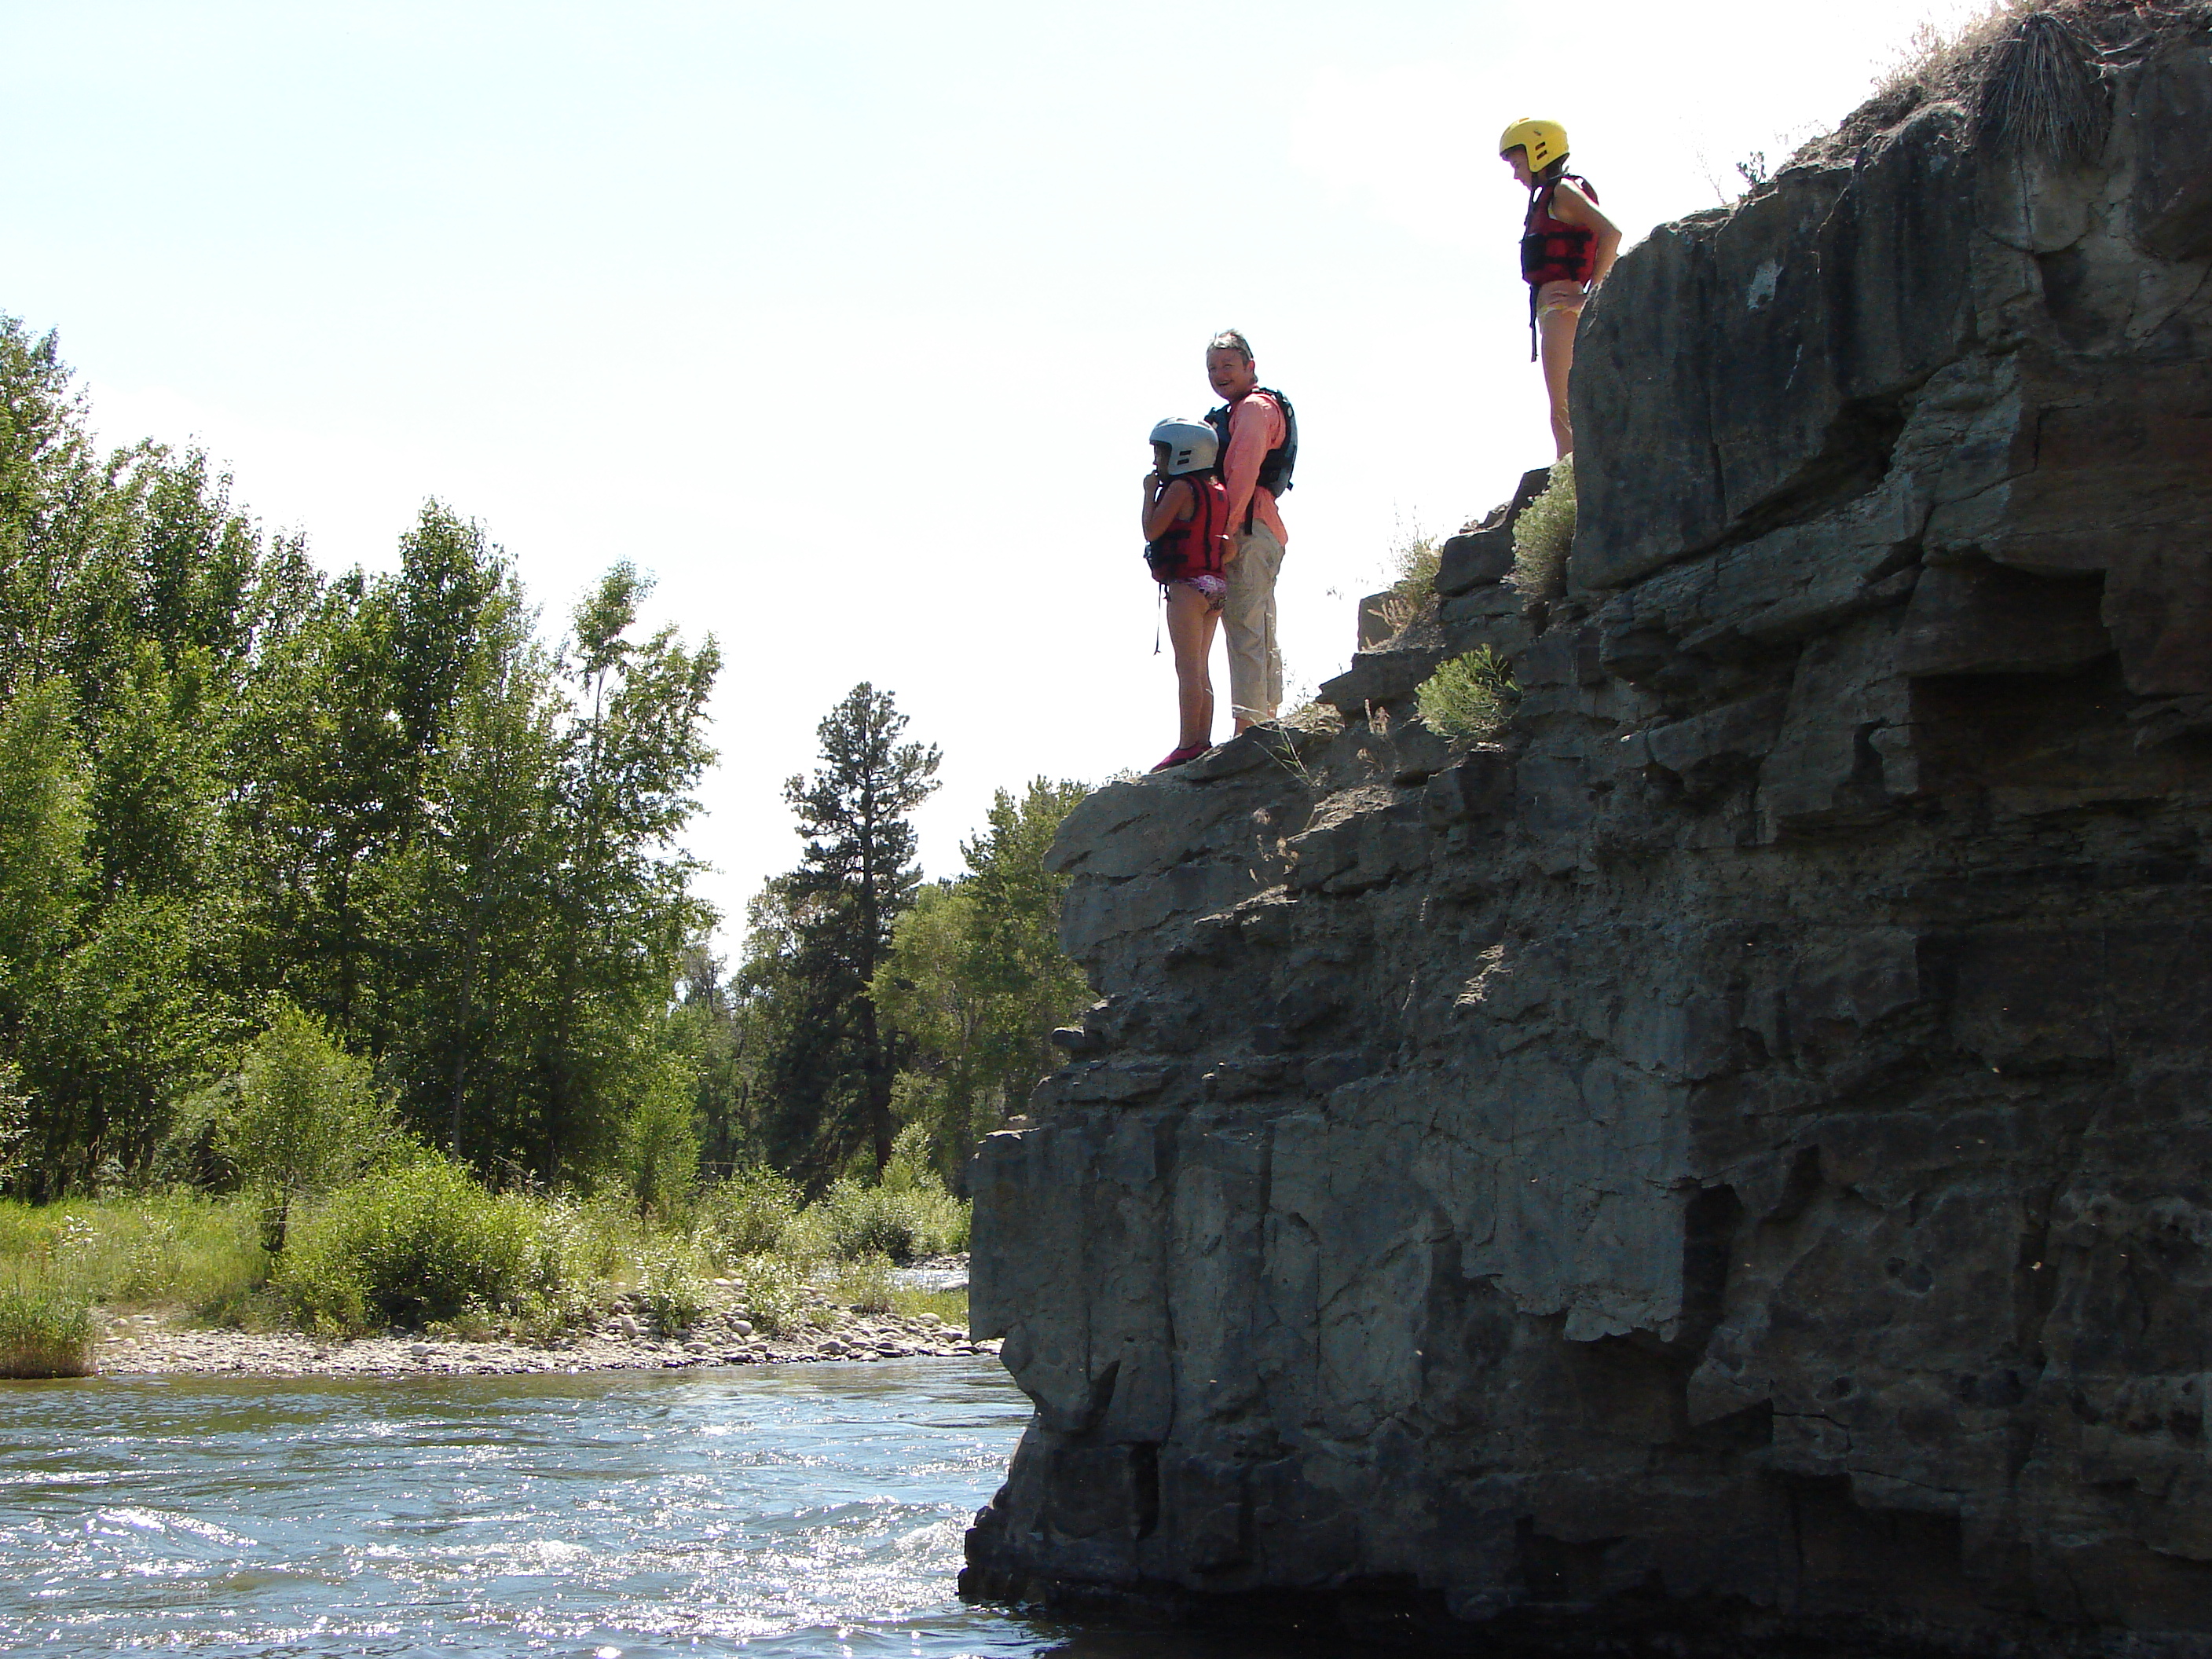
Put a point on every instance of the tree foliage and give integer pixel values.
(225, 776)
(302, 1116)
(828, 1060)
(977, 980)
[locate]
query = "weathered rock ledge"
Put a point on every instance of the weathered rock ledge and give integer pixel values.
(1731, 1161)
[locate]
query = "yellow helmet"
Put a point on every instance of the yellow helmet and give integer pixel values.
(1544, 141)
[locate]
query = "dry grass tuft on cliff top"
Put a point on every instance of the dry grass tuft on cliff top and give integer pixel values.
(2026, 69)
(1413, 587)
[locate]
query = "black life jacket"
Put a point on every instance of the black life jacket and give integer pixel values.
(1552, 250)
(1277, 464)
(1193, 546)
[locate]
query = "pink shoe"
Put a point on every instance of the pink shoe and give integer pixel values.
(1177, 756)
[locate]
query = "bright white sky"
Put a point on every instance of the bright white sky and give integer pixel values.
(847, 321)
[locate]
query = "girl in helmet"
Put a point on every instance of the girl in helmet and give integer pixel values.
(1186, 518)
(1567, 246)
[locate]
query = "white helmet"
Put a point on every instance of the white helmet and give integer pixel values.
(1192, 445)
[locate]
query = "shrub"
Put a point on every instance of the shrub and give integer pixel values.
(923, 1220)
(304, 1117)
(751, 1213)
(864, 1285)
(907, 1213)
(660, 1146)
(1468, 696)
(1543, 536)
(771, 1291)
(44, 1332)
(670, 1292)
(416, 1243)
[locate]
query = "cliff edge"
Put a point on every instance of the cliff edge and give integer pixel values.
(1731, 1158)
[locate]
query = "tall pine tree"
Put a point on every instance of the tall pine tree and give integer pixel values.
(821, 933)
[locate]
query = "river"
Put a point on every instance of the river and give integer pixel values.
(769, 1511)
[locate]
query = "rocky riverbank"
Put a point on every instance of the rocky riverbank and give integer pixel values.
(623, 1340)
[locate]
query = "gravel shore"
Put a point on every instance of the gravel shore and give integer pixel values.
(146, 1344)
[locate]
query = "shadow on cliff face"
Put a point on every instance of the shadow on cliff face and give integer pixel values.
(1725, 1160)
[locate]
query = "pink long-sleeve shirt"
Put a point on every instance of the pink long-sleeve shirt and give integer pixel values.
(1255, 426)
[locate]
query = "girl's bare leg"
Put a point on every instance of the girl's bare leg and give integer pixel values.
(1190, 630)
(1555, 331)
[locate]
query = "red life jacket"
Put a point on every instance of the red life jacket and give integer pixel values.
(1193, 546)
(1552, 250)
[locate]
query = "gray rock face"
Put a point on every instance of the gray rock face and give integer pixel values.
(1732, 1159)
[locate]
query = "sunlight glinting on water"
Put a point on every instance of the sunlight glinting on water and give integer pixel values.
(815, 1511)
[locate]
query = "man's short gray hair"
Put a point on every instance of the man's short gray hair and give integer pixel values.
(1230, 340)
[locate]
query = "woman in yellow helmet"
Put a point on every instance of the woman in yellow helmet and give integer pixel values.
(1567, 246)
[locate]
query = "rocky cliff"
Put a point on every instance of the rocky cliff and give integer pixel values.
(1732, 1157)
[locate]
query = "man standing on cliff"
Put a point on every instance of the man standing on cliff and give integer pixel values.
(1259, 446)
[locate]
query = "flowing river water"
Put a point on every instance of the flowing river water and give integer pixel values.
(770, 1511)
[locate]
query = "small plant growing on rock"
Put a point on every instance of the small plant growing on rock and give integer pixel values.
(1413, 587)
(1468, 696)
(1542, 537)
(771, 1291)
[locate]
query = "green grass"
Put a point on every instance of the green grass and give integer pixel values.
(44, 1332)
(174, 1251)
(951, 1306)
(423, 1246)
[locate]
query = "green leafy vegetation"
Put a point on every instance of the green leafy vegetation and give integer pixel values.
(351, 972)
(226, 777)
(904, 1216)
(752, 1212)
(301, 1116)
(1543, 536)
(1468, 696)
(44, 1332)
(976, 977)
(417, 1243)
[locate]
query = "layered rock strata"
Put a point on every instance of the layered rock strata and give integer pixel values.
(1730, 1156)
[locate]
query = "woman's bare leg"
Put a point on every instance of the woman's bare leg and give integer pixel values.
(1555, 331)
(1190, 629)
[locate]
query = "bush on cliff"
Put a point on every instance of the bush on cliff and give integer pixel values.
(419, 1242)
(1468, 696)
(1543, 536)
